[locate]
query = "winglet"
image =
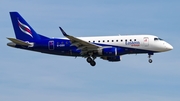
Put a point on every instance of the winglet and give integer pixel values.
(63, 32)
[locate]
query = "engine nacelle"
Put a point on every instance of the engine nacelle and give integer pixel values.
(108, 51)
(112, 58)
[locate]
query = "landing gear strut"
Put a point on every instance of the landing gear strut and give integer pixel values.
(150, 60)
(91, 61)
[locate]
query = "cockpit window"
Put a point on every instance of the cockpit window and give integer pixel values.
(155, 39)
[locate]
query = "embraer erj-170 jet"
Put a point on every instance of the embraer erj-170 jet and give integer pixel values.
(109, 48)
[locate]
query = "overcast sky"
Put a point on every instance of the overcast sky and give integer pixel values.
(32, 76)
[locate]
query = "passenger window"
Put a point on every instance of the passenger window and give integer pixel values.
(99, 41)
(89, 41)
(93, 41)
(134, 39)
(116, 40)
(107, 40)
(112, 40)
(103, 41)
(121, 40)
(126, 40)
(130, 40)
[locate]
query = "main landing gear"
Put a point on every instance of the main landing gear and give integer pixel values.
(150, 60)
(91, 61)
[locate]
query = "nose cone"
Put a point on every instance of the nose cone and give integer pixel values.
(169, 47)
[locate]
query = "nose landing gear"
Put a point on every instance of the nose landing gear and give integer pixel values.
(150, 60)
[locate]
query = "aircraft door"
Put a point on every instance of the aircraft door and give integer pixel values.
(146, 41)
(51, 45)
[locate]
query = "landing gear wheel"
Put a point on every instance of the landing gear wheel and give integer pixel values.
(89, 59)
(92, 63)
(150, 61)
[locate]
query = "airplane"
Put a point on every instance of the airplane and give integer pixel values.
(110, 48)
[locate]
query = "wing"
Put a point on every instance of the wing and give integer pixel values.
(81, 44)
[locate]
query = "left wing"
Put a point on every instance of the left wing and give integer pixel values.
(81, 44)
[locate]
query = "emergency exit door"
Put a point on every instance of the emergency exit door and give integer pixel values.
(146, 41)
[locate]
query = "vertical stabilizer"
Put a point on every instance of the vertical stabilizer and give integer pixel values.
(22, 29)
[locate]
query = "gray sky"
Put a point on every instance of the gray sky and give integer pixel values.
(28, 76)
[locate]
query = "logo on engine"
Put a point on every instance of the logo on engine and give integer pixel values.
(133, 43)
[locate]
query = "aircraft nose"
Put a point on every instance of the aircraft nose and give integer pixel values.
(169, 47)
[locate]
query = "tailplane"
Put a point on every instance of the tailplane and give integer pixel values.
(22, 29)
(19, 42)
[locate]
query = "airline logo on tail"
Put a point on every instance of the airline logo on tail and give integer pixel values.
(24, 28)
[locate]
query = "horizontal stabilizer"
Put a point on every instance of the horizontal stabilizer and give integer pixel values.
(18, 42)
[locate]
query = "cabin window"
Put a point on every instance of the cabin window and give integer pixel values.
(134, 39)
(116, 40)
(126, 40)
(130, 40)
(93, 41)
(89, 41)
(107, 40)
(103, 41)
(99, 41)
(112, 40)
(121, 40)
